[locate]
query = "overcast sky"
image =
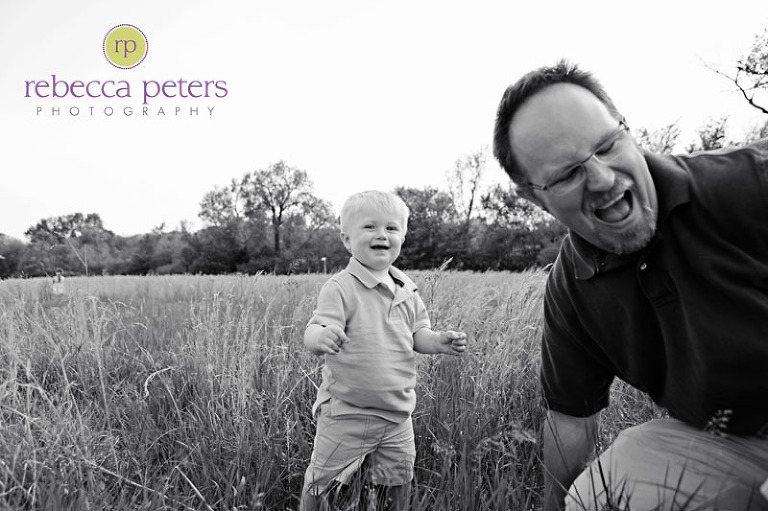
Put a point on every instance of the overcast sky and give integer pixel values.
(360, 94)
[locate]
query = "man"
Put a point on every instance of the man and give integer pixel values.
(662, 281)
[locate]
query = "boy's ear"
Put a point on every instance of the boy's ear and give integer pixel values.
(344, 239)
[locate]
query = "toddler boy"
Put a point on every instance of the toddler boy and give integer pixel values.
(369, 323)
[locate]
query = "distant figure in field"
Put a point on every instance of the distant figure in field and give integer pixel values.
(58, 283)
(369, 324)
(662, 281)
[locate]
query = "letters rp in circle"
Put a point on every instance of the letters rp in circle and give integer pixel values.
(125, 46)
(129, 46)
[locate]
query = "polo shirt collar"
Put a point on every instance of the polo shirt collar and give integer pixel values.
(672, 184)
(362, 274)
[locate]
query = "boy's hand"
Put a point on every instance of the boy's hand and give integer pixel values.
(452, 343)
(330, 340)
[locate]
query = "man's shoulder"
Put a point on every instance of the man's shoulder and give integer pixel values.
(562, 270)
(758, 148)
(722, 164)
(730, 182)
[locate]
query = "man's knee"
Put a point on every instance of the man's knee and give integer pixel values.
(666, 463)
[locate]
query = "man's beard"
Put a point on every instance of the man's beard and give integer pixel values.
(634, 239)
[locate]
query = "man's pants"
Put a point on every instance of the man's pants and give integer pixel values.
(667, 465)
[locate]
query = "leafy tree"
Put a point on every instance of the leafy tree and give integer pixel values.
(711, 136)
(502, 206)
(279, 199)
(157, 252)
(430, 239)
(464, 182)
(310, 236)
(257, 248)
(757, 132)
(56, 228)
(519, 234)
(213, 250)
(277, 191)
(660, 141)
(223, 205)
(223, 209)
(11, 252)
(324, 242)
(68, 241)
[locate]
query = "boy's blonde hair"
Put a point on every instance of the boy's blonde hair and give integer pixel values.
(381, 201)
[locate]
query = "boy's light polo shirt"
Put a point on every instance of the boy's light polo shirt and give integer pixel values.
(375, 372)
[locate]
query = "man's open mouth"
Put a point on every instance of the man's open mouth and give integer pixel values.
(379, 247)
(616, 210)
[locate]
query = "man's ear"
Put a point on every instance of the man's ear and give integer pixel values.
(529, 194)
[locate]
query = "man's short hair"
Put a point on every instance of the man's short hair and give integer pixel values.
(381, 201)
(519, 92)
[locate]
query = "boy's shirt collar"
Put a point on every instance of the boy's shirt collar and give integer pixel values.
(362, 274)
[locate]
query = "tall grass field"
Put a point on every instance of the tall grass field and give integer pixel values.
(195, 392)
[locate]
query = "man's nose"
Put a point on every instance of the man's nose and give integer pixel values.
(600, 177)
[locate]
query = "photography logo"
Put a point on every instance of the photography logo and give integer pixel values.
(125, 46)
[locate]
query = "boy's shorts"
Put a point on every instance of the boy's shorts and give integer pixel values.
(344, 442)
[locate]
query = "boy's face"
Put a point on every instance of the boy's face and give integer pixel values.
(374, 237)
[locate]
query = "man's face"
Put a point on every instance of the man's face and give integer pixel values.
(565, 126)
(374, 238)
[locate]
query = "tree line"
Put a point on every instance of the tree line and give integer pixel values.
(270, 220)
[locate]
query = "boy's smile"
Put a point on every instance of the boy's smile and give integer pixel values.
(374, 238)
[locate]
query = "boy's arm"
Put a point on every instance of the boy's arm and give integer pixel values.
(430, 343)
(325, 332)
(324, 340)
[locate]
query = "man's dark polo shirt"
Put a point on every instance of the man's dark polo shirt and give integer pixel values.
(686, 318)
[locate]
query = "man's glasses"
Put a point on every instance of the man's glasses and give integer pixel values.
(609, 149)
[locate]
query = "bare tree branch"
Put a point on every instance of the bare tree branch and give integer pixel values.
(750, 98)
